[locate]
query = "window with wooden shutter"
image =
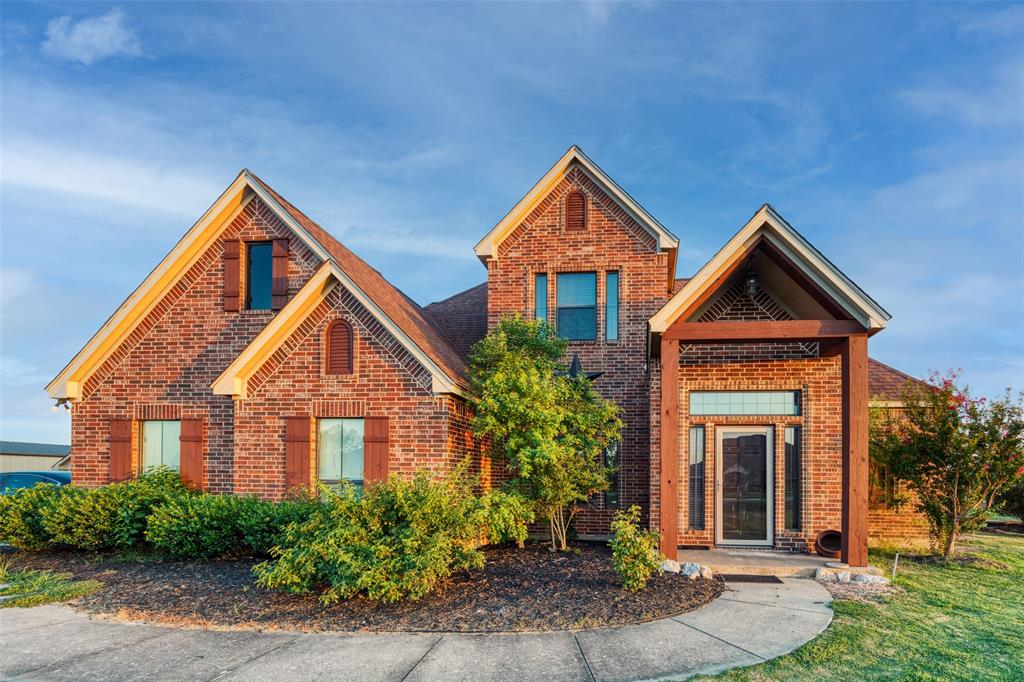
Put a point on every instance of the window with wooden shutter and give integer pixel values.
(375, 448)
(120, 450)
(338, 347)
(279, 285)
(232, 276)
(191, 453)
(296, 452)
(575, 212)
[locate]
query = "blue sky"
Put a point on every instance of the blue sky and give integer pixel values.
(890, 135)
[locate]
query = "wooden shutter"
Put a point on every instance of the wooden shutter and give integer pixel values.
(120, 450)
(279, 272)
(339, 347)
(191, 451)
(232, 276)
(375, 449)
(575, 212)
(296, 452)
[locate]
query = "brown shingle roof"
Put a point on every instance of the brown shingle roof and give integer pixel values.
(405, 313)
(887, 382)
(462, 317)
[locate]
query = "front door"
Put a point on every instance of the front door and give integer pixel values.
(744, 504)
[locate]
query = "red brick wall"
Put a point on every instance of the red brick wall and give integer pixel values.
(425, 431)
(820, 383)
(612, 241)
(903, 527)
(165, 368)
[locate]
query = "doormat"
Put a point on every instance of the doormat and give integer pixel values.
(746, 578)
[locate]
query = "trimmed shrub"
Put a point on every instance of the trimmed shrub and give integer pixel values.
(398, 541)
(21, 515)
(505, 516)
(113, 516)
(635, 552)
(209, 526)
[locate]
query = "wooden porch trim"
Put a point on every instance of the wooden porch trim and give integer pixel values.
(762, 331)
(854, 358)
(669, 490)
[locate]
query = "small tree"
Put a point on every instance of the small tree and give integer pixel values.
(549, 427)
(955, 453)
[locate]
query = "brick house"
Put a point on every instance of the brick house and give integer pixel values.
(262, 354)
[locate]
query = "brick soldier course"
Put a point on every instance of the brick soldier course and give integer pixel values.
(249, 386)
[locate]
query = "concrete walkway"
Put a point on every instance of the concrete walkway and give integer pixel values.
(749, 623)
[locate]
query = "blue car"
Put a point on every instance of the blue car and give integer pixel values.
(13, 480)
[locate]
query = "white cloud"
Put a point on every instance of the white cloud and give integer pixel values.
(999, 102)
(130, 182)
(1004, 22)
(92, 39)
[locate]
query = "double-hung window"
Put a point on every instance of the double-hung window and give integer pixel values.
(258, 275)
(161, 445)
(577, 306)
(340, 451)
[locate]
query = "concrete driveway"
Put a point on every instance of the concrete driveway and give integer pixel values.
(749, 623)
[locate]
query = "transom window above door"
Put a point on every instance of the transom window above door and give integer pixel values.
(786, 403)
(577, 306)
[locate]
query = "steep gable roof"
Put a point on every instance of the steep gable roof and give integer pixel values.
(406, 314)
(574, 157)
(768, 225)
(399, 314)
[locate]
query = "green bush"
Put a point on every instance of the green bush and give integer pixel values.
(399, 540)
(208, 526)
(113, 516)
(21, 515)
(634, 550)
(505, 516)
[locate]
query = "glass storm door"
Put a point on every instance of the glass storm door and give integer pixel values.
(744, 486)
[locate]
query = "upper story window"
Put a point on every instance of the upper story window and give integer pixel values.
(745, 403)
(577, 306)
(258, 275)
(540, 293)
(575, 212)
(611, 306)
(338, 348)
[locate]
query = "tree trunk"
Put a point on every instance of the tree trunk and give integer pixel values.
(950, 547)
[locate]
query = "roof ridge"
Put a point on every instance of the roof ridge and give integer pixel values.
(893, 369)
(459, 293)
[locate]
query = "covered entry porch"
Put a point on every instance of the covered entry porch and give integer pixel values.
(761, 394)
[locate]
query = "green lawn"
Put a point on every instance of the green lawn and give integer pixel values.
(955, 622)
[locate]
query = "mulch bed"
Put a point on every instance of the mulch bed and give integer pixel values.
(527, 589)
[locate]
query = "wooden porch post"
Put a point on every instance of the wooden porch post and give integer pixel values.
(669, 508)
(854, 355)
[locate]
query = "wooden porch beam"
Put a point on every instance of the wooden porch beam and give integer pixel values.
(748, 332)
(669, 489)
(854, 358)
